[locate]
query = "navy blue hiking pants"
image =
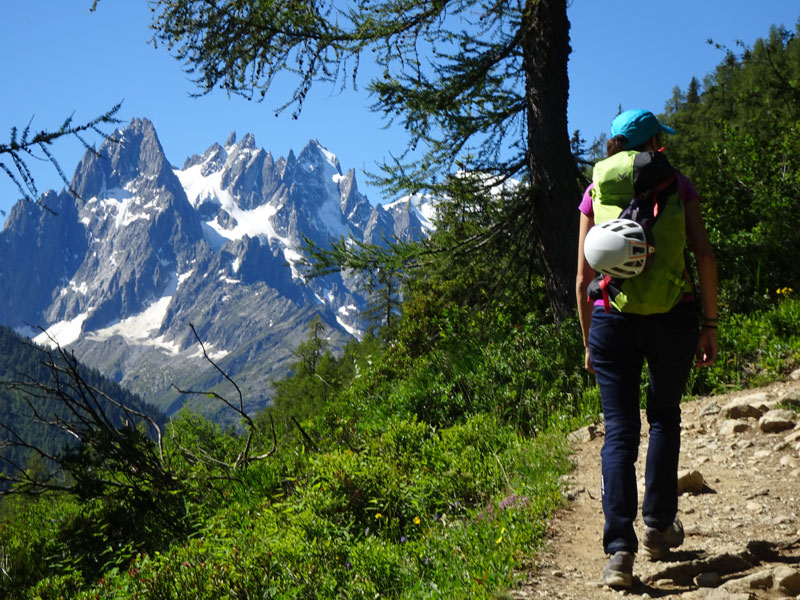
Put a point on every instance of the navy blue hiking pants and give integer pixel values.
(619, 344)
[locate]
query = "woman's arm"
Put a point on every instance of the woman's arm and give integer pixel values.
(707, 273)
(584, 277)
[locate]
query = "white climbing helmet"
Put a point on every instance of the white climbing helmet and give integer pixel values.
(617, 247)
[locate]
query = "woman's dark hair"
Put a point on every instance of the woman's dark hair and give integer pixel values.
(618, 143)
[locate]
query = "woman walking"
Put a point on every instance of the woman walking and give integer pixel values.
(643, 310)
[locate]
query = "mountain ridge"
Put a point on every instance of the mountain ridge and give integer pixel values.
(145, 248)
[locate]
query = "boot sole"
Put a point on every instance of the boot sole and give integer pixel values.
(618, 580)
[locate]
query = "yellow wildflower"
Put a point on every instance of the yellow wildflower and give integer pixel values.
(500, 539)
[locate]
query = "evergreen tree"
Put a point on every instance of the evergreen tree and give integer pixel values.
(384, 297)
(677, 101)
(478, 87)
(739, 142)
(693, 93)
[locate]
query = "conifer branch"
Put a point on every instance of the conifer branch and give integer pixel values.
(21, 148)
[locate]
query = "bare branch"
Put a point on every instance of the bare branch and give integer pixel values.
(243, 459)
(223, 373)
(306, 437)
(83, 413)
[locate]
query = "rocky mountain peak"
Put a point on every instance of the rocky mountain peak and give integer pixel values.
(147, 249)
(248, 142)
(212, 160)
(317, 160)
(131, 154)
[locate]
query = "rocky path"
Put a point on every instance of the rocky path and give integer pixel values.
(740, 506)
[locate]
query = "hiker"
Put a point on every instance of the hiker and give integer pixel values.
(652, 316)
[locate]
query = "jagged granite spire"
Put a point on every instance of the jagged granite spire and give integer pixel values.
(120, 272)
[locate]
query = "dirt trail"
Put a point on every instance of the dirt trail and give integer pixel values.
(740, 465)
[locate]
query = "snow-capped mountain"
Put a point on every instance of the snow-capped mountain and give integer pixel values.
(119, 272)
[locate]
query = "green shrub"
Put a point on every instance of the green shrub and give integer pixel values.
(755, 350)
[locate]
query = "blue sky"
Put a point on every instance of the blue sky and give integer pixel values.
(60, 59)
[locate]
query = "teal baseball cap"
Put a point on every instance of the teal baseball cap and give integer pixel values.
(637, 126)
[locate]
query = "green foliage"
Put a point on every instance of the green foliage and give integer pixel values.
(738, 140)
(473, 362)
(110, 515)
(454, 270)
(756, 349)
(30, 547)
(468, 98)
(403, 497)
(313, 376)
(417, 535)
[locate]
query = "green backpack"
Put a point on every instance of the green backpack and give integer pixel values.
(641, 186)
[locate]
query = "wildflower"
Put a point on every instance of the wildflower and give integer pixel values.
(416, 521)
(402, 539)
(366, 531)
(500, 539)
(348, 565)
(514, 501)
(378, 515)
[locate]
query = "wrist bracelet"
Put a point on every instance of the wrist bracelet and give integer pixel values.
(714, 319)
(707, 326)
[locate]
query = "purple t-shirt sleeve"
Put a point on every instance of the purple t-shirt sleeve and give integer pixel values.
(586, 202)
(686, 191)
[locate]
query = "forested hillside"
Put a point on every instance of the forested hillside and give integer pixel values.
(738, 140)
(424, 461)
(26, 367)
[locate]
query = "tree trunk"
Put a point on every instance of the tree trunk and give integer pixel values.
(555, 191)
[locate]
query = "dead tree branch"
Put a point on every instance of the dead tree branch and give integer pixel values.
(244, 458)
(106, 432)
(306, 437)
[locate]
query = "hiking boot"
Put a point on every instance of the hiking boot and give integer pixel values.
(618, 572)
(657, 543)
